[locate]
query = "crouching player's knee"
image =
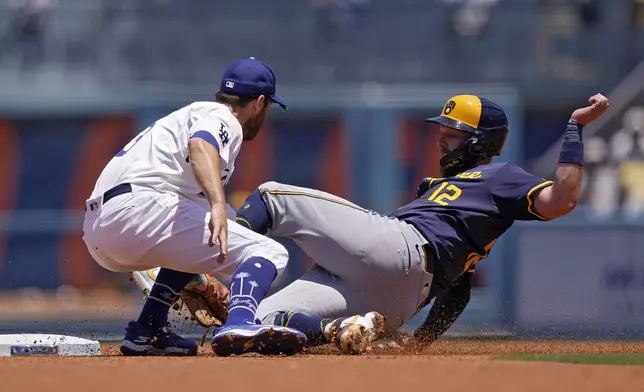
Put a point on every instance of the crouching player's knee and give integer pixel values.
(274, 252)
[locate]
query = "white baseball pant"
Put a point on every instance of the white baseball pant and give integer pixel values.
(145, 229)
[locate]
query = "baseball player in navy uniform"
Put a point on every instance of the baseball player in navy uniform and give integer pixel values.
(396, 263)
(160, 202)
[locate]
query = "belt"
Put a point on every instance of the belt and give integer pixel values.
(112, 193)
(429, 258)
(431, 267)
(439, 279)
(118, 190)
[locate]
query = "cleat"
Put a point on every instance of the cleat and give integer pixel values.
(256, 338)
(354, 335)
(141, 341)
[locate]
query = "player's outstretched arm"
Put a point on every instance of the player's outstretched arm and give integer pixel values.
(204, 160)
(446, 309)
(562, 197)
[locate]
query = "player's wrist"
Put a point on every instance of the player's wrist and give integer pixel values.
(572, 148)
(217, 204)
(576, 121)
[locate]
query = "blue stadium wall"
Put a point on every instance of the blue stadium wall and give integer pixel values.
(48, 166)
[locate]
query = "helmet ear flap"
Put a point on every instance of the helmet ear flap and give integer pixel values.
(477, 146)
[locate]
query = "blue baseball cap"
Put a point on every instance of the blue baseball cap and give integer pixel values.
(251, 77)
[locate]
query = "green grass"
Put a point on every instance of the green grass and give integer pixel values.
(586, 359)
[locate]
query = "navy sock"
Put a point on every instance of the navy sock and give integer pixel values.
(254, 214)
(165, 290)
(248, 287)
(311, 326)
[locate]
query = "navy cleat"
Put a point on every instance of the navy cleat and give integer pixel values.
(141, 341)
(255, 338)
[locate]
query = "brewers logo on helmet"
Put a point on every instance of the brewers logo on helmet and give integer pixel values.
(486, 123)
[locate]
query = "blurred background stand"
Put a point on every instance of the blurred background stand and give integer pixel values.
(80, 77)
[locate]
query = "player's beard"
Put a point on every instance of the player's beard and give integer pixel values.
(452, 161)
(253, 125)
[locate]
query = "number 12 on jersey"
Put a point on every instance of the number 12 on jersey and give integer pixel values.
(445, 193)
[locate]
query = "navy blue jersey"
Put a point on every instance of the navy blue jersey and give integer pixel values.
(463, 216)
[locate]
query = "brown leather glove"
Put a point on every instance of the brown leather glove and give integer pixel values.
(208, 307)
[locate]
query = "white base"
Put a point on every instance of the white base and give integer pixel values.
(19, 345)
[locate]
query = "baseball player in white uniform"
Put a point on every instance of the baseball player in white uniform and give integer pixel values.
(160, 203)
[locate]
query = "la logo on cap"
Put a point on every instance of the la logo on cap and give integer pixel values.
(230, 84)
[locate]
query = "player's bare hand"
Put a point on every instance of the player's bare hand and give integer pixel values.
(219, 229)
(588, 114)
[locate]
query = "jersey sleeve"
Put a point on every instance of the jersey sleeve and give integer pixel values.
(514, 190)
(213, 127)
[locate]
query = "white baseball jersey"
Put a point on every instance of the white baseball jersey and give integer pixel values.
(158, 156)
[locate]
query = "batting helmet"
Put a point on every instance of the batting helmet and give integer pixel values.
(484, 120)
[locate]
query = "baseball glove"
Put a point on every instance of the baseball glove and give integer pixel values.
(208, 307)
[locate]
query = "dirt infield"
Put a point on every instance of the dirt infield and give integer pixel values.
(444, 366)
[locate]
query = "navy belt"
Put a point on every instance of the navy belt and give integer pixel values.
(118, 190)
(112, 193)
(435, 267)
(429, 258)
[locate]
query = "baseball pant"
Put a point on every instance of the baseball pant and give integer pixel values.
(365, 261)
(144, 229)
